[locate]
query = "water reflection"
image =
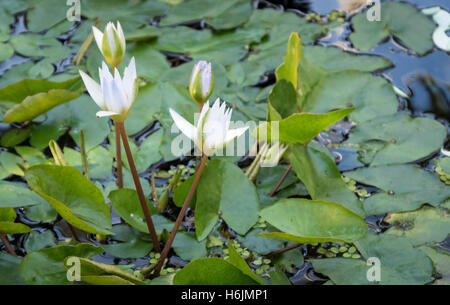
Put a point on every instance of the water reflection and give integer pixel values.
(429, 96)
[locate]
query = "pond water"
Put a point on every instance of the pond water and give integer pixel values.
(425, 79)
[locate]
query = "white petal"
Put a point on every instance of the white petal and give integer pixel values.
(98, 35)
(186, 128)
(110, 29)
(121, 36)
(194, 74)
(234, 133)
(94, 89)
(103, 113)
(129, 80)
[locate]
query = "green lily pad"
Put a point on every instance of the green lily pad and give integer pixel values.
(371, 96)
(441, 262)
(424, 226)
(220, 15)
(256, 243)
(46, 266)
(9, 265)
(126, 203)
(34, 97)
(301, 220)
(99, 160)
(187, 247)
(316, 169)
(132, 243)
(96, 273)
(400, 263)
(16, 195)
(223, 186)
(279, 25)
(404, 188)
(7, 224)
(38, 240)
(289, 260)
(14, 137)
(73, 196)
(398, 138)
(406, 23)
(204, 271)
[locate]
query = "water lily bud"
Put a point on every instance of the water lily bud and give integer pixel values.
(202, 82)
(111, 43)
(274, 155)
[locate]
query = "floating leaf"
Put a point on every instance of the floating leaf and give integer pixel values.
(317, 170)
(16, 195)
(400, 263)
(126, 203)
(7, 224)
(371, 96)
(38, 240)
(204, 271)
(14, 137)
(187, 247)
(72, 195)
(404, 188)
(34, 97)
(398, 138)
(311, 221)
(96, 273)
(46, 266)
(132, 243)
(225, 187)
(220, 15)
(441, 262)
(402, 20)
(424, 226)
(9, 264)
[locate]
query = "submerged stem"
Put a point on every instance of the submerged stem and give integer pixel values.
(180, 217)
(8, 246)
(275, 188)
(151, 228)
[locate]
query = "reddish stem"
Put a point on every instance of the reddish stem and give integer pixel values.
(8, 246)
(181, 215)
(137, 183)
(119, 159)
(275, 188)
(283, 250)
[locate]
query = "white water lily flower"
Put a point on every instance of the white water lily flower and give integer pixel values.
(114, 95)
(201, 83)
(111, 43)
(212, 131)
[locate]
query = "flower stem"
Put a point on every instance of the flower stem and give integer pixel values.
(8, 246)
(181, 215)
(275, 188)
(137, 183)
(119, 159)
(294, 246)
(84, 158)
